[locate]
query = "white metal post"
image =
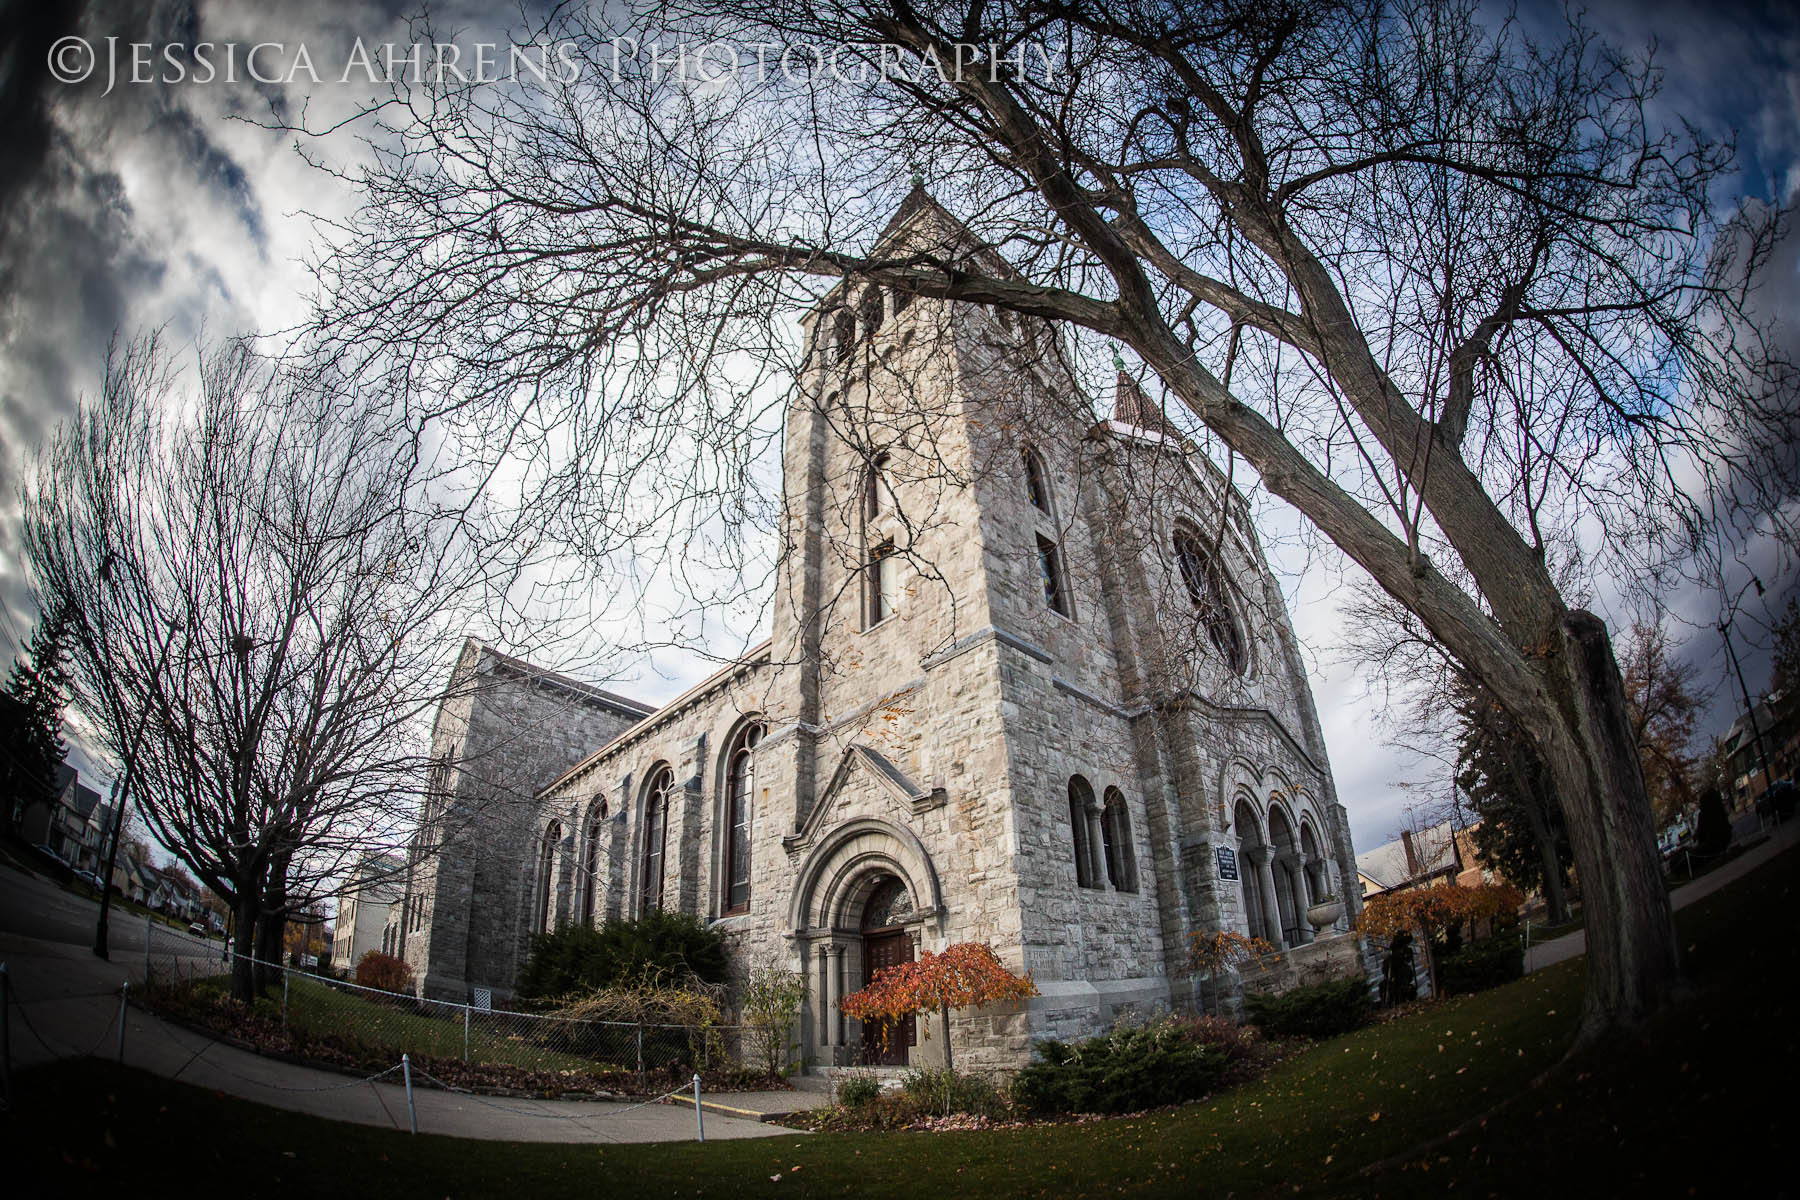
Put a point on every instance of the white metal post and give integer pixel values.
(699, 1116)
(124, 996)
(412, 1112)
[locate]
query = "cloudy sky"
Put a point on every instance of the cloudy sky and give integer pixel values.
(171, 207)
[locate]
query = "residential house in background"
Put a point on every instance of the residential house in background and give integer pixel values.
(364, 908)
(1778, 724)
(63, 823)
(1441, 853)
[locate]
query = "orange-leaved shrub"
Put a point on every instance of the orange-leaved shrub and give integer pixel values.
(383, 971)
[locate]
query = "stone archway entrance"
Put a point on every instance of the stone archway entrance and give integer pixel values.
(885, 943)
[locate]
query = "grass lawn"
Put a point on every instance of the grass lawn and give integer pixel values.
(1470, 1097)
(320, 1009)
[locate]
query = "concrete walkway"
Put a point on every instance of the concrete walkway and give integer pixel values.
(66, 1004)
(1572, 944)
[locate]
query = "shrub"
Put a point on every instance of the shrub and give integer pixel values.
(1241, 1047)
(679, 1024)
(941, 1091)
(659, 944)
(1134, 1067)
(855, 1091)
(1320, 1010)
(1484, 964)
(772, 994)
(383, 971)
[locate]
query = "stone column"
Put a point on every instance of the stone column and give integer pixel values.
(839, 1035)
(1258, 858)
(1287, 866)
(826, 1025)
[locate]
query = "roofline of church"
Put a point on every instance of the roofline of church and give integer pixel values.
(756, 656)
(537, 674)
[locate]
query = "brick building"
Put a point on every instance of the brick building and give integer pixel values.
(1030, 682)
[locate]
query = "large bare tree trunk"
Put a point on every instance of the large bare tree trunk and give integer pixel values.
(243, 945)
(1632, 959)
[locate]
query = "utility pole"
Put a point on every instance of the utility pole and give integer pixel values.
(1762, 757)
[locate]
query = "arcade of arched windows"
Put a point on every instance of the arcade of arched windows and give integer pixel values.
(1281, 870)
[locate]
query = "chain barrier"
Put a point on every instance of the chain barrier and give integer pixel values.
(18, 1002)
(315, 1004)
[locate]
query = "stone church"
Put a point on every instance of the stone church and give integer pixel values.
(1030, 682)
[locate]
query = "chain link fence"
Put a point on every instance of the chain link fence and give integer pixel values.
(319, 1015)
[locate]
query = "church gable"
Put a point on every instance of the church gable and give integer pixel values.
(865, 784)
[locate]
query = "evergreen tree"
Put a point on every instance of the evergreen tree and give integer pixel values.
(31, 744)
(1521, 835)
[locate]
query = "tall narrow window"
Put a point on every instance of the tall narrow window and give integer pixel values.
(883, 583)
(1035, 487)
(546, 876)
(1115, 832)
(874, 309)
(901, 300)
(1051, 576)
(656, 828)
(1081, 798)
(591, 873)
(738, 782)
(875, 488)
(843, 333)
(1210, 593)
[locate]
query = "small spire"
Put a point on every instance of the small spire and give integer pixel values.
(918, 176)
(1118, 360)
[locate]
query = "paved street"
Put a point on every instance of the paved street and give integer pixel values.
(1570, 945)
(66, 1003)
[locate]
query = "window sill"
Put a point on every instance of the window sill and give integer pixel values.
(877, 625)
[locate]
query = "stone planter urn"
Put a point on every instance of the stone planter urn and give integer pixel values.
(1326, 911)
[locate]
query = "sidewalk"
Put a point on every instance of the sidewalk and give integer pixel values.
(1572, 944)
(66, 1004)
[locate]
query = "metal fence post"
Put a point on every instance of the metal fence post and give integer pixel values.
(411, 1111)
(466, 1010)
(699, 1117)
(640, 1047)
(124, 997)
(146, 949)
(284, 997)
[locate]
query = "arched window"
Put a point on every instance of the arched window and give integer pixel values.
(656, 828)
(874, 310)
(546, 875)
(1115, 833)
(1210, 593)
(1036, 490)
(739, 779)
(843, 333)
(876, 492)
(1050, 575)
(1081, 825)
(591, 874)
(1317, 873)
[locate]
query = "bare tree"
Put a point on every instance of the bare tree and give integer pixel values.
(259, 601)
(1662, 701)
(1446, 292)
